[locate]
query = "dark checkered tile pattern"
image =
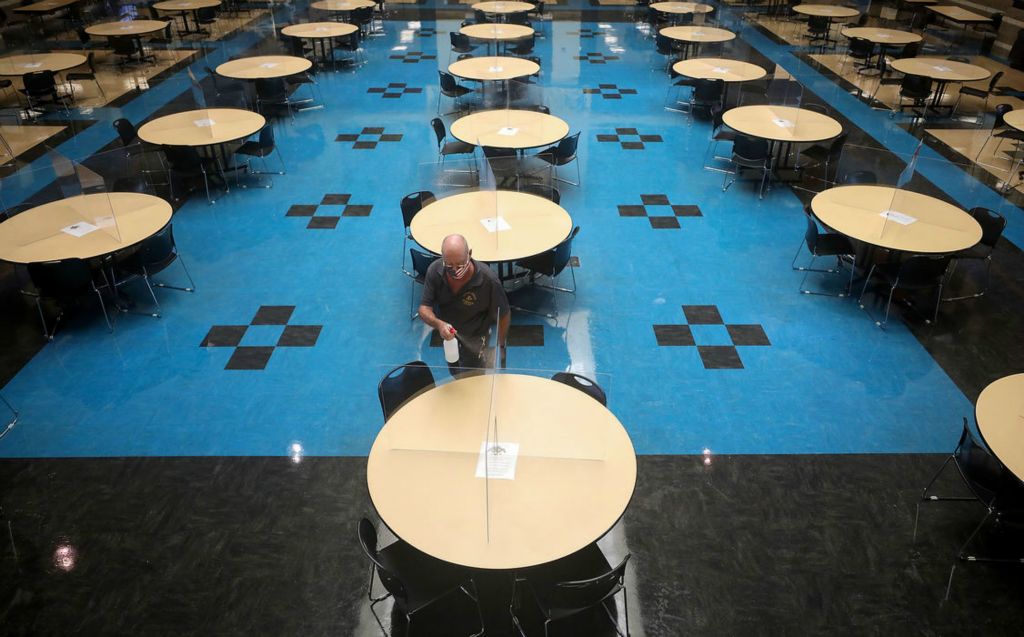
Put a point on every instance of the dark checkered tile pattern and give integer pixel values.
(255, 343)
(395, 90)
(589, 34)
(330, 210)
(716, 341)
(368, 138)
(657, 209)
(596, 58)
(412, 57)
(629, 138)
(609, 91)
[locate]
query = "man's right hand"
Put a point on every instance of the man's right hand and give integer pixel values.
(447, 331)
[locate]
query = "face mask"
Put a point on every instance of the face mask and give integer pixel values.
(459, 272)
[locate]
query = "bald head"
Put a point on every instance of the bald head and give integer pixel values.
(455, 249)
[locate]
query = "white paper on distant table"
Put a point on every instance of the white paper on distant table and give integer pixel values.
(203, 123)
(719, 69)
(32, 65)
(507, 131)
(782, 123)
(495, 224)
(898, 217)
(79, 229)
(494, 69)
(268, 65)
(500, 465)
(942, 68)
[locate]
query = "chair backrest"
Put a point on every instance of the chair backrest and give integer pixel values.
(362, 16)
(860, 47)
(582, 383)
(421, 262)
(39, 82)
(911, 50)
(61, 279)
(448, 83)
(206, 15)
(459, 40)
(811, 233)
(402, 384)
(542, 190)
(525, 45)
(991, 85)
(413, 203)
(818, 23)
(267, 137)
(923, 269)
(439, 131)
(663, 44)
(124, 46)
(126, 131)
(567, 147)
(368, 540)
(916, 86)
(708, 90)
(785, 92)
(83, 36)
(982, 472)
(159, 250)
(1000, 111)
(183, 157)
(750, 148)
(997, 20)
(992, 225)
(588, 593)
(271, 88)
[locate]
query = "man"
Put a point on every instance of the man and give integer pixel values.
(467, 297)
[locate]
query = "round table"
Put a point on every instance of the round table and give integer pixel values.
(782, 123)
(201, 127)
(826, 11)
(574, 476)
(857, 212)
(681, 8)
(263, 67)
(884, 37)
(132, 29)
(493, 68)
(31, 63)
(509, 128)
(495, 33)
(695, 36)
(535, 224)
(341, 6)
(36, 235)
(719, 69)
(942, 71)
(183, 7)
(503, 7)
(1000, 417)
(322, 33)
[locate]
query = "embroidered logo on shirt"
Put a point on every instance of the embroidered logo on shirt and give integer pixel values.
(469, 299)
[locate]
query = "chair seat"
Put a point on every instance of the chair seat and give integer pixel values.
(976, 252)
(457, 148)
(829, 245)
(425, 578)
(457, 91)
(976, 92)
(253, 149)
(725, 136)
(890, 271)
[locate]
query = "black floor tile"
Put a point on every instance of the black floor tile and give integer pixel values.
(251, 358)
(719, 357)
(702, 314)
(664, 223)
(224, 336)
(748, 335)
(526, 336)
(301, 210)
(299, 336)
(323, 222)
(335, 200)
(273, 315)
(674, 335)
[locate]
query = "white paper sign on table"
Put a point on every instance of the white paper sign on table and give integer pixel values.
(719, 69)
(942, 69)
(79, 229)
(32, 65)
(898, 217)
(268, 65)
(321, 29)
(507, 131)
(203, 123)
(494, 69)
(783, 123)
(495, 224)
(497, 460)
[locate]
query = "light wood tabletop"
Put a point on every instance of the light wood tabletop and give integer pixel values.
(264, 66)
(186, 5)
(121, 219)
(878, 35)
(826, 10)
(503, 6)
(315, 30)
(941, 69)
(1000, 417)
(45, 6)
(493, 68)
(958, 14)
(126, 29)
(782, 123)
(719, 69)
(509, 128)
(865, 213)
(698, 34)
(497, 32)
(1015, 119)
(682, 7)
(33, 62)
(342, 5)
(201, 127)
(574, 476)
(531, 225)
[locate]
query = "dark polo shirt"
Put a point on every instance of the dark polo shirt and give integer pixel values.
(474, 309)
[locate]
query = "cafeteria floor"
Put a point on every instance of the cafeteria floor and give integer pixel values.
(172, 476)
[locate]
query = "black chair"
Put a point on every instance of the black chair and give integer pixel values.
(125, 49)
(664, 45)
(262, 147)
(993, 25)
(362, 18)
(228, 91)
(504, 165)
(569, 587)
(524, 46)
(185, 162)
(549, 264)
(83, 76)
(917, 273)
(447, 148)
(824, 155)
(1001, 132)
(451, 88)
(917, 89)
(818, 28)
(989, 483)
(63, 281)
(706, 95)
(412, 578)
(749, 152)
(351, 44)
(992, 225)
(863, 51)
(582, 383)
(411, 205)
(562, 153)
(461, 43)
(785, 92)
(402, 384)
(821, 244)
(542, 190)
(206, 17)
(420, 263)
(979, 92)
(126, 131)
(154, 255)
(41, 89)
